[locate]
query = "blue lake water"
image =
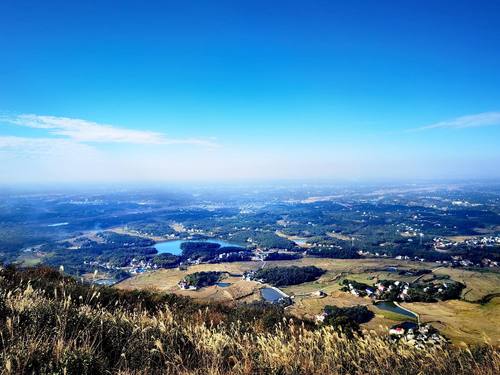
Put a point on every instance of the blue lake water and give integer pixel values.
(174, 247)
(223, 285)
(270, 295)
(390, 306)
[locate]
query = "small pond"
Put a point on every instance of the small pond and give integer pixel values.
(390, 306)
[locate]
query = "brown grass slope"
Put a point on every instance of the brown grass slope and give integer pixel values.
(53, 325)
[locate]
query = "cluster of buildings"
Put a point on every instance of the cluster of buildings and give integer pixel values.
(400, 288)
(141, 266)
(490, 263)
(105, 265)
(406, 257)
(417, 335)
(359, 289)
(196, 231)
(250, 276)
(396, 290)
(446, 245)
(384, 255)
(139, 232)
(324, 245)
(442, 243)
(234, 256)
(458, 261)
(184, 285)
(135, 267)
(464, 203)
(408, 230)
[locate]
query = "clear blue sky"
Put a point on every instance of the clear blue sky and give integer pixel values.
(223, 90)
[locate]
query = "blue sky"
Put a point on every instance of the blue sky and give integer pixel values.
(204, 90)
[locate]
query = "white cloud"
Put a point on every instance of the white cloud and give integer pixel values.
(70, 152)
(469, 121)
(86, 131)
(24, 146)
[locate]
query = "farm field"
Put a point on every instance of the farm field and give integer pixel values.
(462, 321)
(165, 280)
(360, 269)
(478, 283)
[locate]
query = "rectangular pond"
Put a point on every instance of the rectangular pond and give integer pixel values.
(271, 295)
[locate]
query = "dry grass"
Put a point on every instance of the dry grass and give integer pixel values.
(29, 260)
(55, 332)
(339, 236)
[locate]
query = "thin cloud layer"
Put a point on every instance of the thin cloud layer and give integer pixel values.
(41, 145)
(469, 121)
(85, 131)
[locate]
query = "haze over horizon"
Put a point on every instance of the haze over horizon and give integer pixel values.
(241, 91)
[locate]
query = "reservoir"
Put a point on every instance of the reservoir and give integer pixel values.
(271, 295)
(390, 306)
(174, 247)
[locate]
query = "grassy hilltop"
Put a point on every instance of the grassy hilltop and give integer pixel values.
(53, 324)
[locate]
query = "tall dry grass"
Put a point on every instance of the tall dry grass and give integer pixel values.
(56, 332)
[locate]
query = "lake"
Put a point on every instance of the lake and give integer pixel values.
(390, 306)
(174, 247)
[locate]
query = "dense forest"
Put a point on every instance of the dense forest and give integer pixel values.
(206, 251)
(280, 276)
(347, 318)
(282, 256)
(202, 279)
(339, 253)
